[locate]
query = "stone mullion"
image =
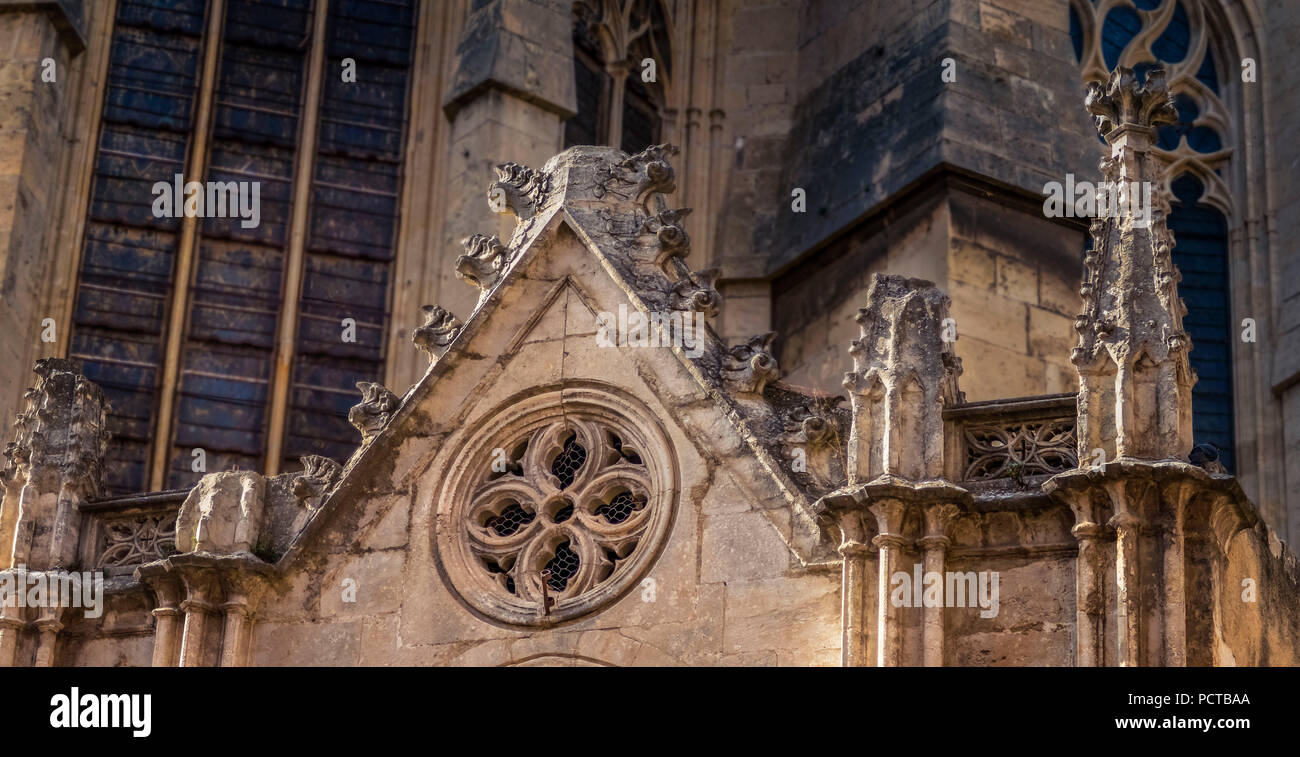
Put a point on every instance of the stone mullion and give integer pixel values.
(186, 248)
(618, 71)
(304, 163)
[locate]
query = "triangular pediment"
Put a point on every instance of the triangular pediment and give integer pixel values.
(592, 295)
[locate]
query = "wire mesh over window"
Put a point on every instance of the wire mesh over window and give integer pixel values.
(580, 494)
(562, 567)
(510, 520)
(570, 460)
(620, 507)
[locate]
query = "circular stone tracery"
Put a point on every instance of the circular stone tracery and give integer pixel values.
(575, 497)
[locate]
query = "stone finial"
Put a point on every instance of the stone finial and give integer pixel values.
(1135, 381)
(439, 330)
(484, 261)
(1123, 103)
(518, 190)
(747, 368)
(375, 409)
(319, 474)
(695, 292)
(903, 374)
(222, 514)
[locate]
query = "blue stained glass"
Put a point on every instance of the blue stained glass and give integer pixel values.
(1201, 254)
(1171, 45)
(1208, 74)
(1120, 27)
(1199, 138)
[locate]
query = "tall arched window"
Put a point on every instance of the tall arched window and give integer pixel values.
(218, 341)
(616, 104)
(1196, 152)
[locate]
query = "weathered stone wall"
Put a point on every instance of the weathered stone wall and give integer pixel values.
(1282, 88)
(34, 117)
(1013, 277)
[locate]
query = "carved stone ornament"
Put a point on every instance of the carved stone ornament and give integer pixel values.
(747, 368)
(372, 413)
(695, 292)
(645, 174)
(439, 330)
(483, 263)
(667, 227)
(137, 539)
(553, 511)
(319, 474)
(1135, 380)
(518, 190)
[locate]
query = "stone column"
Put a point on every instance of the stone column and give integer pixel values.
(48, 626)
(200, 595)
(167, 615)
(1090, 623)
(1129, 594)
(934, 546)
(849, 522)
(892, 544)
(243, 589)
(11, 627)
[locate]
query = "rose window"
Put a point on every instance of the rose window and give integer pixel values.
(564, 509)
(556, 509)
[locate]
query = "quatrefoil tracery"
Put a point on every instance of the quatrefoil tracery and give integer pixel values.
(573, 499)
